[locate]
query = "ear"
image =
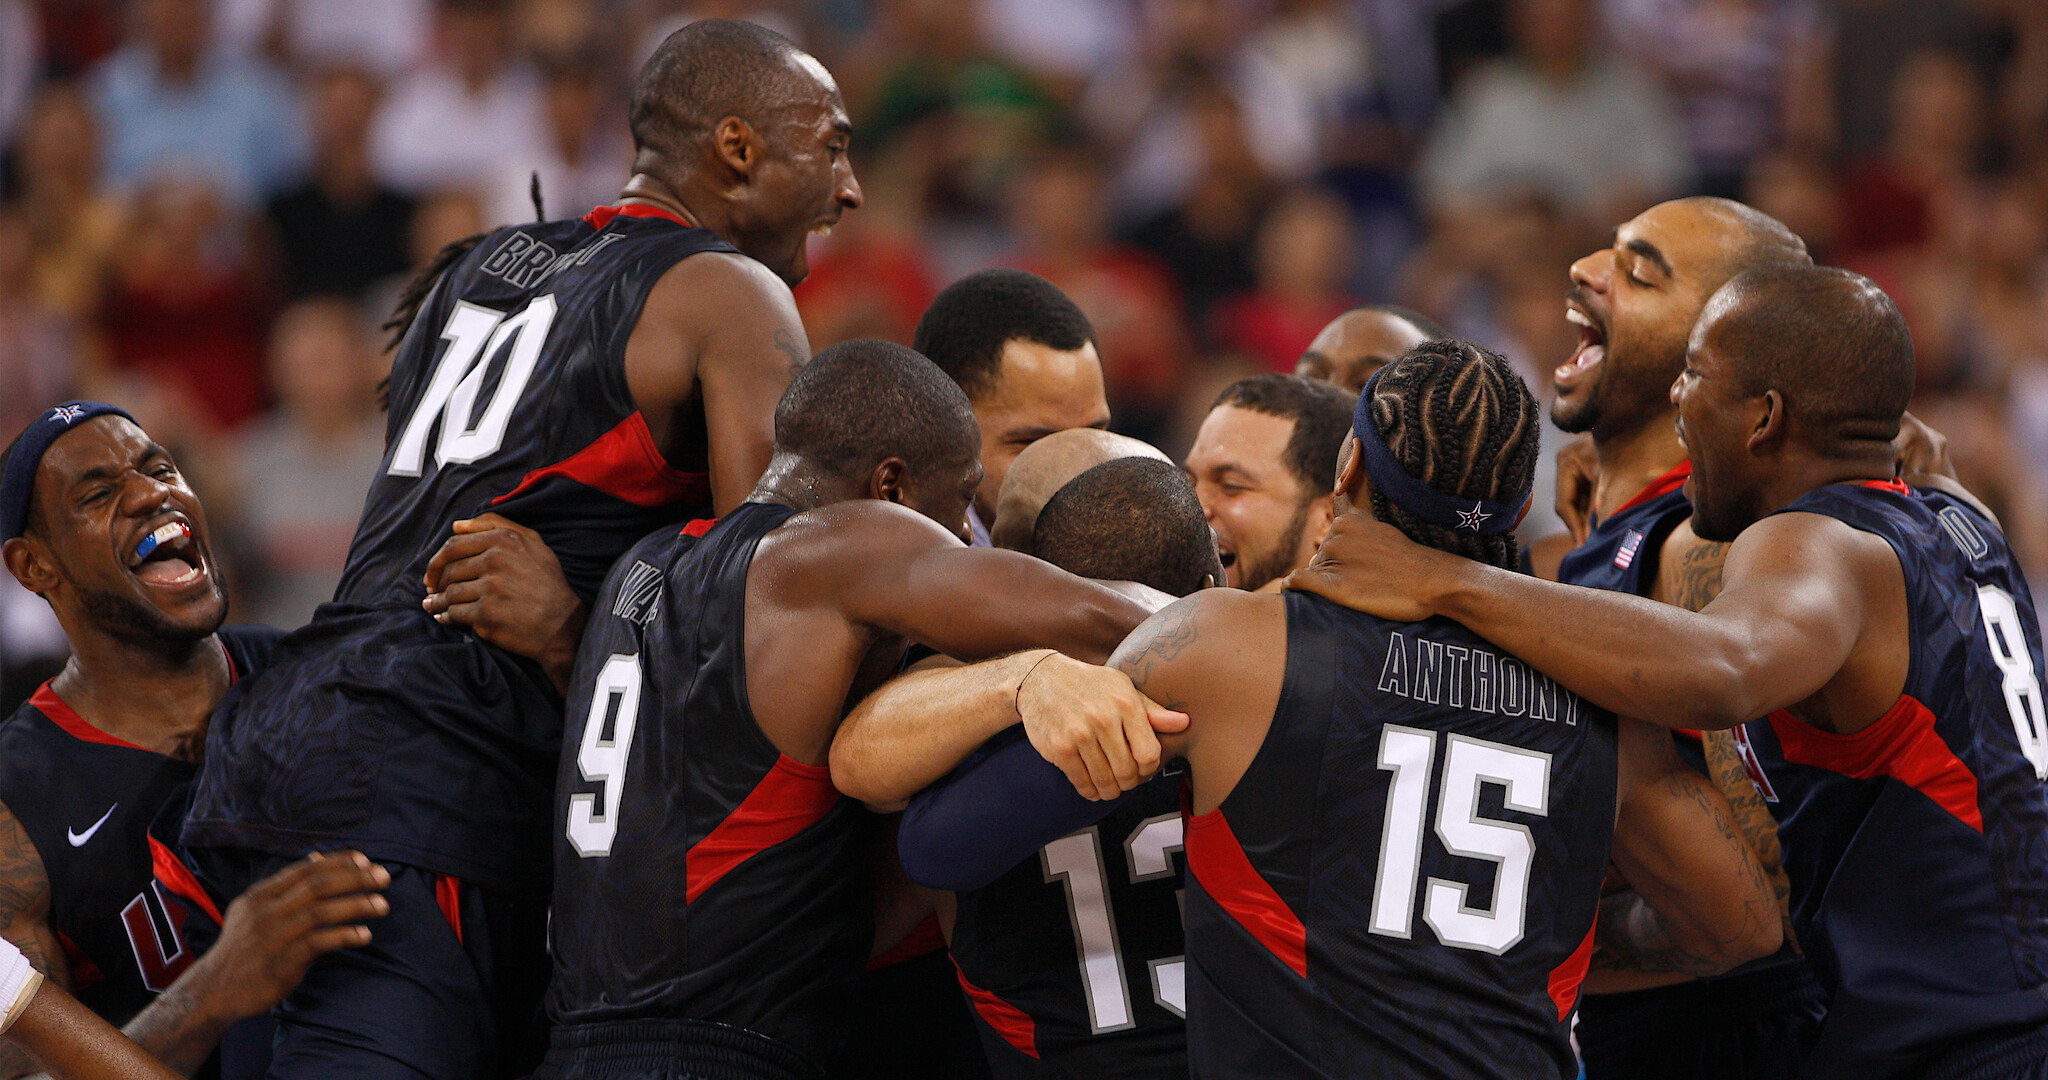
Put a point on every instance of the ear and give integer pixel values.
(885, 482)
(737, 145)
(1769, 424)
(1322, 511)
(1350, 471)
(29, 561)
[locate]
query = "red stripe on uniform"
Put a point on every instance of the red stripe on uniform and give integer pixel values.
(699, 527)
(1012, 1023)
(625, 464)
(448, 896)
(791, 798)
(64, 716)
(1663, 485)
(178, 878)
(603, 215)
(1566, 977)
(1894, 485)
(1902, 744)
(1218, 861)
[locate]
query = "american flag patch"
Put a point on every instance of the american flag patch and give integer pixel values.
(1627, 554)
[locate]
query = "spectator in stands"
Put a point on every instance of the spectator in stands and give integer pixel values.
(1304, 264)
(341, 230)
(75, 221)
(303, 468)
(584, 153)
(1060, 221)
(1207, 240)
(1934, 148)
(469, 115)
(38, 348)
(169, 105)
(1559, 119)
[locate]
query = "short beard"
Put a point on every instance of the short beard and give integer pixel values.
(137, 623)
(1580, 422)
(1278, 560)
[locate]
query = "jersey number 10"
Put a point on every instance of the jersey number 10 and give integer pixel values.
(474, 335)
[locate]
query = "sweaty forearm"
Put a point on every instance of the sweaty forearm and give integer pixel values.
(913, 730)
(1624, 653)
(177, 1029)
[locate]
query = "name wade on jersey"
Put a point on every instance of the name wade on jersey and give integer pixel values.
(1439, 673)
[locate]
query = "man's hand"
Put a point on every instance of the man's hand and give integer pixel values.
(1576, 465)
(1921, 449)
(1368, 565)
(274, 931)
(498, 578)
(1092, 723)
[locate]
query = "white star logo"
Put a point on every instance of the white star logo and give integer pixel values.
(67, 413)
(1470, 519)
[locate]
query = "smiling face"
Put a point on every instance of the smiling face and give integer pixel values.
(1717, 414)
(804, 179)
(101, 491)
(1260, 510)
(1038, 390)
(1634, 304)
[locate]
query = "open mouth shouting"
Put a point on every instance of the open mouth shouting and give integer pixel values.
(1591, 351)
(168, 557)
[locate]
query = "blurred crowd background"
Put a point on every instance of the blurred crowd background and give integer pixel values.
(207, 206)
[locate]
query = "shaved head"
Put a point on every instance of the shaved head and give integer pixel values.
(1046, 466)
(712, 69)
(1829, 341)
(1765, 239)
(1363, 340)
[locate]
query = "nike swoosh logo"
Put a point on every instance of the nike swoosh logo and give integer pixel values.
(78, 839)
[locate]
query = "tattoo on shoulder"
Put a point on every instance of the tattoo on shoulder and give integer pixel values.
(1699, 574)
(24, 884)
(786, 341)
(1175, 632)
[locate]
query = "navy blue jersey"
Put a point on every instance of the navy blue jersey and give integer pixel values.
(382, 729)
(700, 874)
(119, 899)
(1766, 1008)
(1918, 847)
(1623, 544)
(1073, 959)
(1404, 883)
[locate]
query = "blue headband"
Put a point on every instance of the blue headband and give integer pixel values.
(1389, 478)
(17, 484)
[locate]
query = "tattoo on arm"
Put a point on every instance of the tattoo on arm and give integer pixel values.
(24, 911)
(1758, 827)
(786, 341)
(1699, 575)
(1632, 937)
(1175, 632)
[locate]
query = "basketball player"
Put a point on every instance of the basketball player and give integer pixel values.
(1071, 956)
(1507, 1019)
(1363, 340)
(1025, 355)
(1634, 304)
(710, 882)
(588, 379)
(1262, 463)
(96, 518)
(1046, 466)
(1882, 633)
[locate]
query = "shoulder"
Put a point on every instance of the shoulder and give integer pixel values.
(714, 279)
(1209, 631)
(1810, 545)
(854, 534)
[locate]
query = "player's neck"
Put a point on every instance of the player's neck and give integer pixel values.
(1626, 462)
(1793, 475)
(645, 190)
(158, 698)
(792, 481)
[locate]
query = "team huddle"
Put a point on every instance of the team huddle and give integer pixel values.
(693, 706)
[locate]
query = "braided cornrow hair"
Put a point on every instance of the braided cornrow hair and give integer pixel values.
(414, 296)
(1459, 419)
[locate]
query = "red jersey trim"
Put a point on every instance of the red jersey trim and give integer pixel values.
(699, 527)
(1663, 485)
(924, 939)
(624, 464)
(448, 896)
(1894, 485)
(791, 798)
(1566, 977)
(61, 713)
(1902, 744)
(603, 215)
(84, 973)
(1012, 1023)
(1218, 861)
(178, 878)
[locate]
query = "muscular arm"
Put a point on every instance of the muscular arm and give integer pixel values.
(77, 1043)
(913, 730)
(24, 921)
(1795, 603)
(1701, 902)
(713, 351)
